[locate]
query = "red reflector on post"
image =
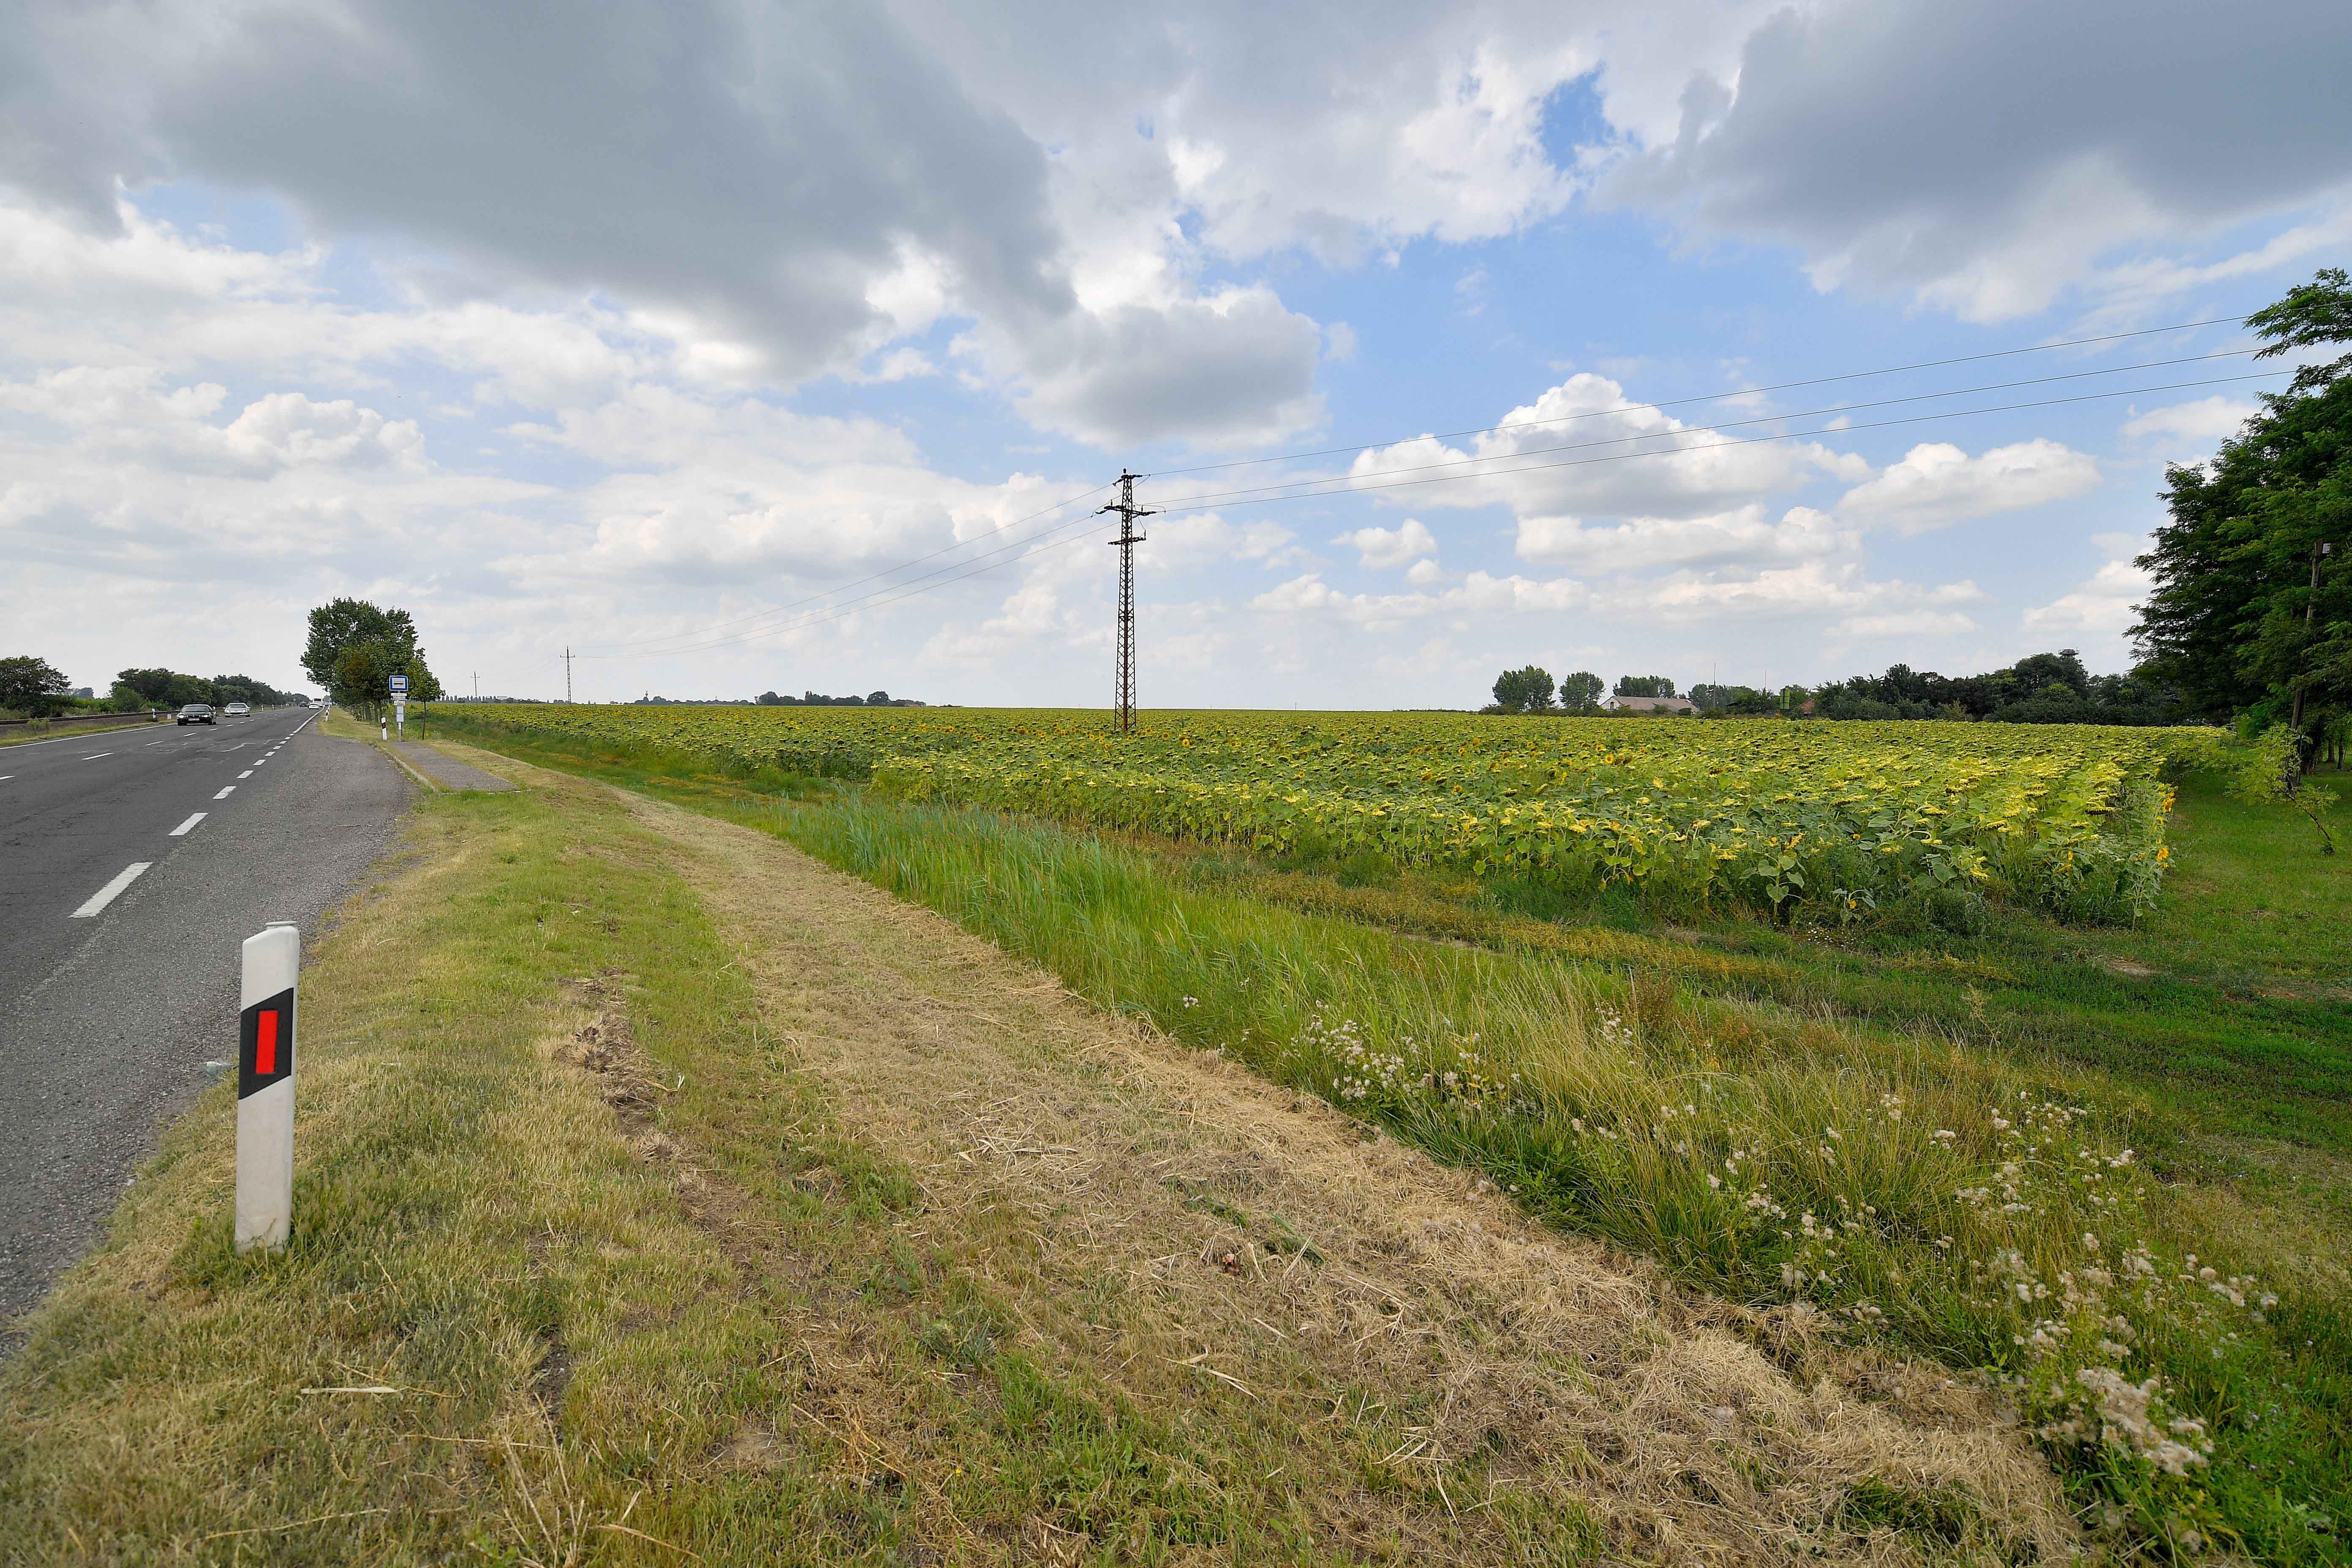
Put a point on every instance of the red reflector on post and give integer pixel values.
(266, 1042)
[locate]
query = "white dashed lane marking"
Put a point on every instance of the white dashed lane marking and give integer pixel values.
(95, 755)
(247, 775)
(182, 831)
(107, 894)
(226, 793)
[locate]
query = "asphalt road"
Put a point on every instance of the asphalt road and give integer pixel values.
(119, 988)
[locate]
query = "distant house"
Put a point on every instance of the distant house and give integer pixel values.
(1648, 705)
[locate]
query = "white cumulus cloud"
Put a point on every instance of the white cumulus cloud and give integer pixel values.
(2106, 602)
(1743, 536)
(1585, 449)
(1937, 484)
(2206, 419)
(1384, 549)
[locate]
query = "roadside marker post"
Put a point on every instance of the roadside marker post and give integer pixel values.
(265, 1088)
(400, 704)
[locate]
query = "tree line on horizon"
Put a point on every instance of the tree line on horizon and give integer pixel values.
(819, 700)
(2044, 688)
(138, 689)
(32, 687)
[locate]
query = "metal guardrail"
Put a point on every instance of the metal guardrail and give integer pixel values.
(151, 716)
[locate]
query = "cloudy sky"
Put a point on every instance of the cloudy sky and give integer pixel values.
(740, 346)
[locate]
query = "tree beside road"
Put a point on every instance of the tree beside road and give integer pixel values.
(31, 686)
(356, 647)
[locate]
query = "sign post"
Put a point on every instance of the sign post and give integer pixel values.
(400, 704)
(265, 1088)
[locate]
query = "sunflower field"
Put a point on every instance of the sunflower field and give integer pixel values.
(1826, 819)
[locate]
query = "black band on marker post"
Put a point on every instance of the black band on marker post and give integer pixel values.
(264, 1046)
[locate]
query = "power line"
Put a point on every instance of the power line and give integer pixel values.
(866, 600)
(876, 604)
(1769, 418)
(1018, 550)
(887, 570)
(1343, 487)
(1711, 396)
(643, 644)
(1342, 484)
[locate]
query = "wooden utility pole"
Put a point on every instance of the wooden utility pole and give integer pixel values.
(2319, 550)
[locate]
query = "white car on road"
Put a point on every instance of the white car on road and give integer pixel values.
(236, 710)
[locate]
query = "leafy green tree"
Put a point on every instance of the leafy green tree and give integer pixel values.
(1581, 691)
(1527, 690)
(2248, 613)
(2300, 648)
(2064, 668)
(162, 687)
(31, 686)
(1644, 686)
(1740, 701)
(248, 688)
(2272, 769)
(422, 685)
(2317, 314)
(361, 679)
(354, 649)
(344, 623)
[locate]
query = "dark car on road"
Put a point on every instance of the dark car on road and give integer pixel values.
(195, 713)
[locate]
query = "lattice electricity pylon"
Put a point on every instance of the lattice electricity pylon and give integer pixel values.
(1125, 544)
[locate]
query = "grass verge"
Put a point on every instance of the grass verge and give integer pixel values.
(2184, 1351)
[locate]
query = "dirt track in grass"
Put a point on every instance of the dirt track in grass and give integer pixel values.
(1166, 1227)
